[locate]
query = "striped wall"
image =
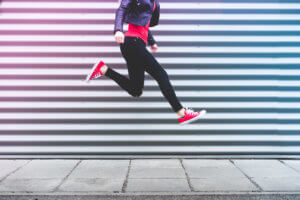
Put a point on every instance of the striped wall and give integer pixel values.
(238, 59)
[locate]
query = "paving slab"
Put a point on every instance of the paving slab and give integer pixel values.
(44, 169)
(223, 184)
(29, 185)
(107, 169)
(265, 168)
(8, 166)
(196, 168)
(161, 168)
(157, 185)
(279, 183)
(156, 163)
(157, 173)
(295, 164)
(208, 162)
(95, 185)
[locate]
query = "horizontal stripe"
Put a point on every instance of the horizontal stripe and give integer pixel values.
(169, 127)
(63, 83)
(258, 72)
(163, 49)
(165, 27)
(144, 127)
(164, 16)
(142, 149)
(123, 93)
(172, 5)
(150, 138)
(147, 105)
(130, 115)
(92, 60)
(159, 38)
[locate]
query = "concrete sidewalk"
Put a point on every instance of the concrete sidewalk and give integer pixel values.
(159, 178)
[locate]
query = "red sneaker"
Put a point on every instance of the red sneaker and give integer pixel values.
(190, 115)
(95, 72)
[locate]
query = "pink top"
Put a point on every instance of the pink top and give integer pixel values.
(139, 31)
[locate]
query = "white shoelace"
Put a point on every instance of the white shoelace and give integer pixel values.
(190, 111)
(97, 75)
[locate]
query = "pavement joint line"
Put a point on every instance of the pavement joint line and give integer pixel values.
(149, 193)
(249, 178)
(187, 176)
(18, 168)
(171, 178)
(76, 165)
(289, 166)
(125, 183)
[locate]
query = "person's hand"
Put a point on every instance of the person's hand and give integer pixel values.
(154, 48)
(119, 37)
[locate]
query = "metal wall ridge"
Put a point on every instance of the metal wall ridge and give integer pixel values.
(239, 60)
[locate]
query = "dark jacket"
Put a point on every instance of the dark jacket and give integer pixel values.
(137, 12)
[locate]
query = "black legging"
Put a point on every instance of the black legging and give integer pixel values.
(138, 60)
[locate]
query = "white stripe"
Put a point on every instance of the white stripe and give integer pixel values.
(163, 16)
(288, 115)
(159, 38)
(163, 49)
(288, 83)
(183, 60)
(173, 5)
(258, 72)
(133, 115)
(92, 60)
(37, 150)
(123, 93)
(103, 82)
(146, 138)
(165, 27)
(147, 149)
(144, 105)
(106, 126)
(288, 127)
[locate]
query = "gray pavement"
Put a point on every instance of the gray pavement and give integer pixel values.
(244, 178)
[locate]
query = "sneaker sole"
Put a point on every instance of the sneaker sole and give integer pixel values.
(93, 69)
(202, 112)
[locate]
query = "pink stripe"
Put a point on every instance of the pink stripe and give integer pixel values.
(54, 10)
(56, 21)
(59, 43)
(58, 54)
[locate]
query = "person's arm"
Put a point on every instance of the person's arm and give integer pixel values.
(120, 15)
(151, 40)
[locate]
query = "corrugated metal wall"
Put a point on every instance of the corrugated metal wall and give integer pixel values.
(238, 59)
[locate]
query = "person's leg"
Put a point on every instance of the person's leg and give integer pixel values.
(135, 83)
(136, 70)
(160, 75)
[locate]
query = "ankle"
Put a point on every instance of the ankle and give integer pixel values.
(180, 113)
(104, 69)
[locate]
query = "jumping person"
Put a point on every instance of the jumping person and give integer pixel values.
(140, 14)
